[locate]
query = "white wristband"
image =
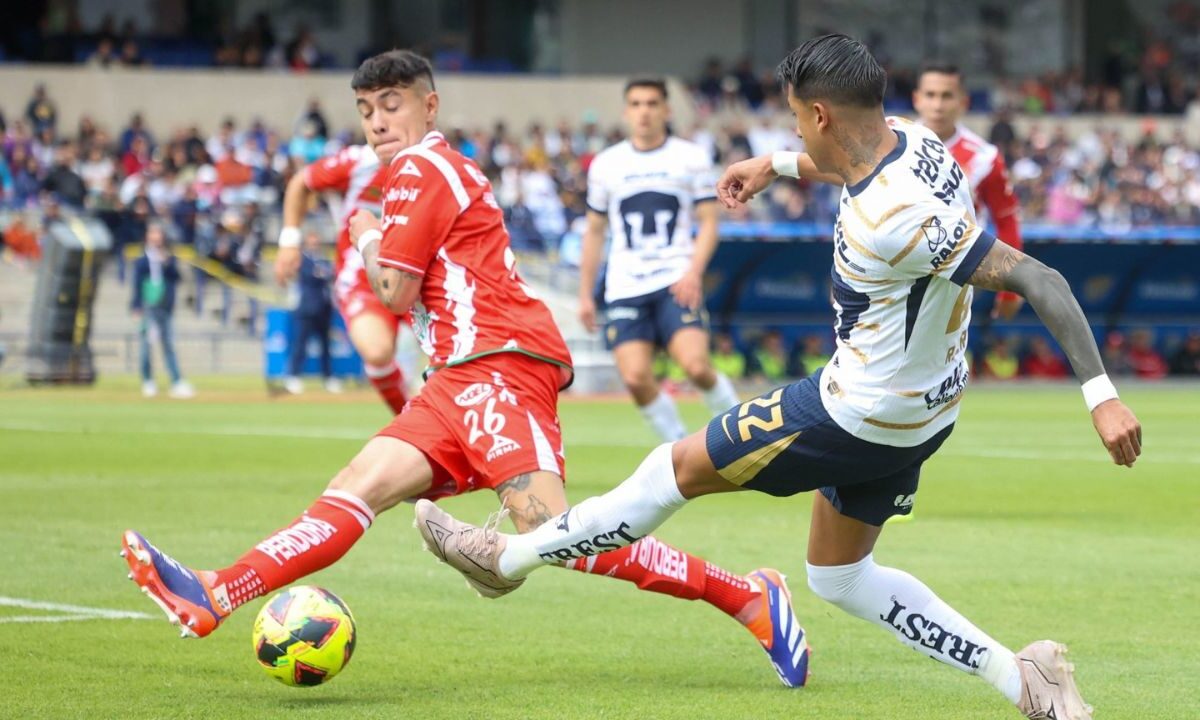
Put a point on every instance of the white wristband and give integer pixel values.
(786, 164)
(1097, 390)
(289, 237)
(367, 238)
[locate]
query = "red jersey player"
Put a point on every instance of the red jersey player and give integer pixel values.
(940, 99)
(354, 173)
(486, 418)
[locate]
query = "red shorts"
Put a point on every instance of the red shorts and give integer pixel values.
(353, 294)
(484, 422)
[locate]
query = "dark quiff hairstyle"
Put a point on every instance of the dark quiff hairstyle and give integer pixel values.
(940, 67)
(647, 82)
(836, 68)
(394, 67)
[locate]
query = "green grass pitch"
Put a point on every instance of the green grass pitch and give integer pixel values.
(1022, 524)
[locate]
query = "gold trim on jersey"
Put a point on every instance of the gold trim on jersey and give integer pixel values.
(859, 247)
(862, 356)
(909, 393)
(912, 426)
(847, 275)
(746, 468)
(870, 327)
(960, 311)
(882, 218)
(917, 237)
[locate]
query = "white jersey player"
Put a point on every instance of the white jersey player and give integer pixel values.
(647, 190)
(906, 253)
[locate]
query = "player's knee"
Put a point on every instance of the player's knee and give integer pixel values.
(378, 353)
(699, 370)
(640, 382)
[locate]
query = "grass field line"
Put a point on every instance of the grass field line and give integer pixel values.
(75, 612)
(1050, 451)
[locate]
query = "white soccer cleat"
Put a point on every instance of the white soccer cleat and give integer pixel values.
(149, 389)
(1048, 687)
(473, 551)
(182, 390)
(293, 385)
(333, 386)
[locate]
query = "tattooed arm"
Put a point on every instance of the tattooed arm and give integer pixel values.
(395, 288)
(1006, 268)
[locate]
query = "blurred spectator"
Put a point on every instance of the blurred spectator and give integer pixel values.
(812, 356)
(1116, 359)
(21, 240)
(313, 317)
(306, 145)
(1186, 360)
(1043, 362)
(62, 181)
(105, 55)
(1145, 361)
(312, 114)
(999, 362)
(155, 277)
(726, 358)
(770, 358)
(136, 129)
(41, 112)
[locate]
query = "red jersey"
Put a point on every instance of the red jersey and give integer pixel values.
(353, 172)
(442, 223)
(988, 176)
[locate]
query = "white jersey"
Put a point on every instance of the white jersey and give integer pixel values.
(905, 243)
(648, 198)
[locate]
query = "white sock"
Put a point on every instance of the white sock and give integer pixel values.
(721, 396)
(613, 520)
(902, 604)
(663, 416)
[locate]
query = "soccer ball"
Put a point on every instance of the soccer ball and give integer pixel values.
(304, 636)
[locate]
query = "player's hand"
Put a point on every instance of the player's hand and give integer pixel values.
(743, 180)
(1008, 304)
(287, 264)
(362, 221)
(1119, 430)
(688, 290)
(587, 313)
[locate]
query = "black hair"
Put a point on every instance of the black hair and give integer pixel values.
(647, 82)
(940, 67)
(394, 67)
(834, 67)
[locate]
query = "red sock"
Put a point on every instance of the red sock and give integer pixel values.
(657, 567)
(315, 540)
(389, 383)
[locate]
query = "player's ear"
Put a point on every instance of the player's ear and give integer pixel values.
(432, 103)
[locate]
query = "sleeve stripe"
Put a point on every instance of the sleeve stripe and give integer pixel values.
(974, 256)
(447, 170)
(400, 265)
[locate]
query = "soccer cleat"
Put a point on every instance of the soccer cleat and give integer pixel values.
(1048, 687)
(777, 629)
(187, 600)
(471, 550)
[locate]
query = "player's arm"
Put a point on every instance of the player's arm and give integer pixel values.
(1006, 268)
(688, 291)
(589, 266)
(997, 194)
(397, 289)
(743, 180)
(296, 198)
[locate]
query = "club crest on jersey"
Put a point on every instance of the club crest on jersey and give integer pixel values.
(410, 168)
(934, 233)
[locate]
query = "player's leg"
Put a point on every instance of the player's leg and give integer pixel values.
(842, 571)
(635, 365)
(149, 387)
(374, 337)
(688, 347)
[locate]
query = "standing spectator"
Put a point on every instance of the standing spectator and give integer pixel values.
(41, 112)
(1143, 358)
(155, 278)
(314, 316)
(62, 180)
(1186, 360)
(1043, 362)
(136, 129)
(312, 114)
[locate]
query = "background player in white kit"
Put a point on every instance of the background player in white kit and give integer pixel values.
(647, 190)
(906, 253)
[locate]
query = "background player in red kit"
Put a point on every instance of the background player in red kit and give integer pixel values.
(355, 174)
(486, 418)
(940, 100)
